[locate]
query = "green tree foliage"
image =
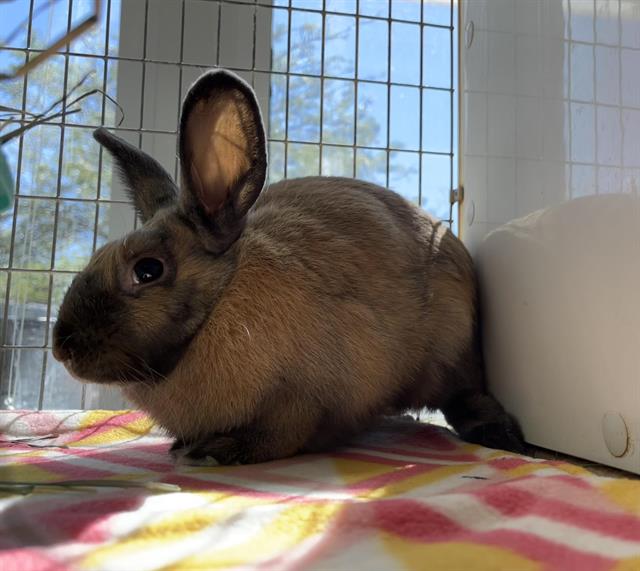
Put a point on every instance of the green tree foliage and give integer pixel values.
(338, 126)
(43, 149)
(79, 176)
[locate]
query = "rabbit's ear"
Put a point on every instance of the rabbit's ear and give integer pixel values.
(148, 185)
(223, 156)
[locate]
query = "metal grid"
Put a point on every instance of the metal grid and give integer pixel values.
(599, 60)
(362, 87)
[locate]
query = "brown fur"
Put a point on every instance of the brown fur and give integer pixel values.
(337, 301)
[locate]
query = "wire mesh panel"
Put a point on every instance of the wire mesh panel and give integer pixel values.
(362, 88)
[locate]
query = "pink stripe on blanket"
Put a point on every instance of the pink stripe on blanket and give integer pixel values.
(156, 457)
(554, 556)
(189, 483)
(70, 460)
(33, 423)
(63, 520)
(362, 456)
(568, 489)
(28, 559)
(378, 482)
(415, 522)
(513, 502)
(509, 462)
(84, 520)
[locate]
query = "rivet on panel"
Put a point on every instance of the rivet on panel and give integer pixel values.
(468, 34)
(471, 212)
(616, 434)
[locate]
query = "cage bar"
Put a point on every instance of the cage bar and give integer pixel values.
(29, 377)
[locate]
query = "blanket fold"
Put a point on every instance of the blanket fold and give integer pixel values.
(97, 490)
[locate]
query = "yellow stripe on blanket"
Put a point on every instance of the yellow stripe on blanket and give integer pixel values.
(227, 532)
(105, 428)
(19, 473)
(624, 494)
(457, 556)
(419, 481)
(403, 496)
(289, 528)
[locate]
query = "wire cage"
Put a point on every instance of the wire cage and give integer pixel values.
(364, 88)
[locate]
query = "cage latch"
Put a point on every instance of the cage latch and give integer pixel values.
(456, 195)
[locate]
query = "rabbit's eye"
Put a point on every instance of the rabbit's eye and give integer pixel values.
(147, 270)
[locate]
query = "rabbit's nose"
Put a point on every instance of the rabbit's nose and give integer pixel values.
(62, 341)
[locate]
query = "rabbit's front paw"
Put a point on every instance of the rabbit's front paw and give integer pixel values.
(214, 451)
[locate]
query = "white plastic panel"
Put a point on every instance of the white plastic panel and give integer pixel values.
(551, 170)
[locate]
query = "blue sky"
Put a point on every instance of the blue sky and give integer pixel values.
(74, 239)
(404, 122)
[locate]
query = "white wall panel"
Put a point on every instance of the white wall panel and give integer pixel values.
(551, 170)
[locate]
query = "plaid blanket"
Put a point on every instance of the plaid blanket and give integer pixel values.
(97, 490)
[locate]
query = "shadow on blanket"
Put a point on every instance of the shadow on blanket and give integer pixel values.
(398, 496)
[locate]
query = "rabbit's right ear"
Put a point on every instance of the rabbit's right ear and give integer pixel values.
(223, 156)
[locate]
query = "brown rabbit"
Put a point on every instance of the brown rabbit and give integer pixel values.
(254, 325)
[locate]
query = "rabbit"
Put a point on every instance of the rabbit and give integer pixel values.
(257, 323)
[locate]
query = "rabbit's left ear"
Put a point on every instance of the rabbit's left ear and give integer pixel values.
(148, 185)
(222, 155)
